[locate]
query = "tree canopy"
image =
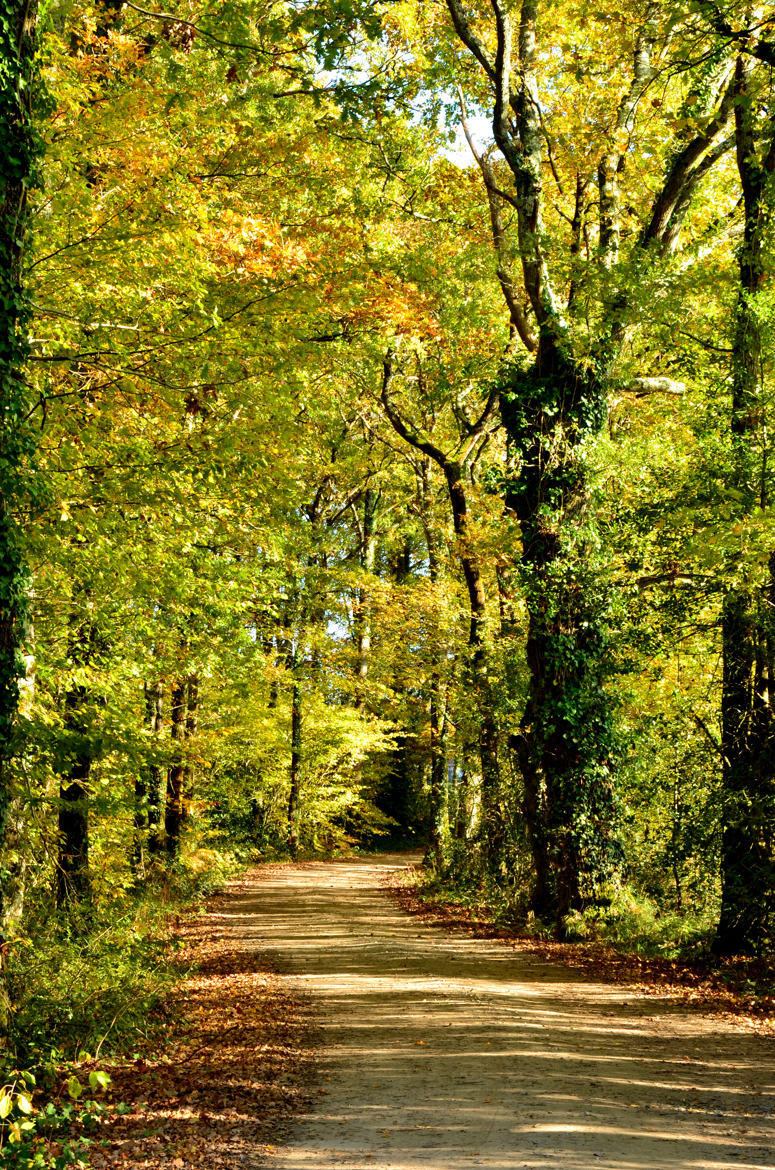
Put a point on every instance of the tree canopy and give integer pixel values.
(385, 451)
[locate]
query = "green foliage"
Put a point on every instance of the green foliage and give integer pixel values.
(92, 981)
(52, 1136)
(197, 873)
(634, 924)
(20, 149)
(77, 992)
(239, 220)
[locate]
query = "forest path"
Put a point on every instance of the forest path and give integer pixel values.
(442, 1051)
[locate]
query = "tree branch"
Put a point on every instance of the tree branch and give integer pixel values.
(665, 222)
(407, 430)
(741, 38)
(517, 315)
(469, 38)
(642, 387)
(612, 162)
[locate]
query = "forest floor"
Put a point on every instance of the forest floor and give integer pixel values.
(387, 1041)
(738, 987)
(228, 1062)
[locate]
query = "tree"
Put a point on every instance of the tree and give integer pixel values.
(748, 633)
(18, 174)
(454, 467)
(572, 314)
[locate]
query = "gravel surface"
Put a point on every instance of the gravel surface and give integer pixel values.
(442, 1051)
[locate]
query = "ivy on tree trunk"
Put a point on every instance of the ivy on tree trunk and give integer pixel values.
(19, 151)
(748, 630)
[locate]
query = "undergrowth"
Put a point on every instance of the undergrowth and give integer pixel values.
(637, 925)
(625, 921)
(88, 986)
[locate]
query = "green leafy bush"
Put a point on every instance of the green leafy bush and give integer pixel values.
(94, 983)
(636, 924)
(56, 1135)
(83, 993)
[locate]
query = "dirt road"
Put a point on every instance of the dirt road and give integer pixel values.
(445, 1052)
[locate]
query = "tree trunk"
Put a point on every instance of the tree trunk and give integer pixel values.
(362, 615)
(154, 697)
(491, 829)
(564, 744)
(173, 812)
(192, 714)
(293, 796)
(748, 631)
(550, 411)
(16, 842)
(439, 829)
(18, 159)
(746, 865)
(73, 881)
(438, 787)
(147, 838)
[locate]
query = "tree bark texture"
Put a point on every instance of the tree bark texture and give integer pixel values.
(564, 744)
(748, 628)
(18, 161)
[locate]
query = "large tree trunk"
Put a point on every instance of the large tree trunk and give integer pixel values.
(747, 744)
(18, 159)
(564, 745)
(748, 630)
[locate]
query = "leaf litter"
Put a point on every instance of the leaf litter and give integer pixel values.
(737, 990)
(229, 1066)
